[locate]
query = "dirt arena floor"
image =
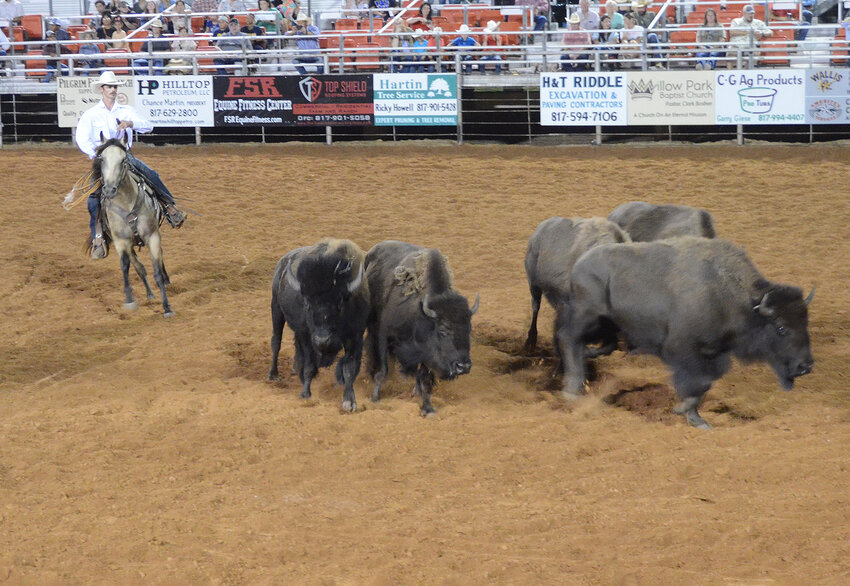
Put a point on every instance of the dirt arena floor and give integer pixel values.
(135, 449)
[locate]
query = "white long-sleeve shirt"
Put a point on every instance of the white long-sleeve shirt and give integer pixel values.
(4, 42)
(99, 119)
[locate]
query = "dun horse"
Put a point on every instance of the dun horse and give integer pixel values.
(132, 217)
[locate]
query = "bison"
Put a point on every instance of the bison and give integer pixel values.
(645, 222)
(417, 316)
(694, 303)
(553, 249)
(321, 292)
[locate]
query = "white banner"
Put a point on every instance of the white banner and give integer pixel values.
(583, 99)
(663, 97)
(760, 97)
(177, 100)
(74, 95)
(415, 99)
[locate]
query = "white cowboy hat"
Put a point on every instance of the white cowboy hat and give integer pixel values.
(106, 78)
(302, 17)
(156, 23)
(639, 3)
(492, 25)
(463, 29)
(574, 18)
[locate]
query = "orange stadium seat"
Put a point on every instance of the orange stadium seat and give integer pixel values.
(839, 53)
(33, 25)
(34, 64)
(116, 62)
(346, 24)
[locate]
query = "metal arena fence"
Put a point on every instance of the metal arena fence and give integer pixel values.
(498, 80)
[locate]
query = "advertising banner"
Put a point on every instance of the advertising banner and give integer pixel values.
(662, 97)
(75, 95)
(415, 99)
(293, 100)
(827, 96)
(760, 97)
(177, 100)
(583, 99)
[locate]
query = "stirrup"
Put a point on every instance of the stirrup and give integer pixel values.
(98, 249)
(174, 216)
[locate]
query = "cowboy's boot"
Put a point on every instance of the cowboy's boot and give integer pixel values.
(98, 247)
(174, 216)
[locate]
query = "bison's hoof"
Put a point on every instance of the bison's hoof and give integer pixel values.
(376, 397)
(132, 306)
(274, 376)
(695, 420)
(349, 406)
(306, 394)
(168, 314)
(571, 396)
(427, 412)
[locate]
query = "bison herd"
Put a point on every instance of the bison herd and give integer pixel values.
(653, 278)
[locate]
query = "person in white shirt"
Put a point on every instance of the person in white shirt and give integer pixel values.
(232, 6)
(739, 32)
(109, 119)
(11, 12)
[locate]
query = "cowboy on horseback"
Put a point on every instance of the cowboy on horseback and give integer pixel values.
(106, 120)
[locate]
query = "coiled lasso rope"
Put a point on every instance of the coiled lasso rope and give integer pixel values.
(83, 188)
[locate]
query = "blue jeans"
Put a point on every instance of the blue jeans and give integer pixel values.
(580, 64)
(221, 70)
(306, 59)
(141, 66)
(495, 58)
(711, 61)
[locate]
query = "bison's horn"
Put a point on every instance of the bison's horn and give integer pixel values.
(474, 307)
(355, 284)
(763, 308)
(427, 310)
(291, 280)
(811, 296)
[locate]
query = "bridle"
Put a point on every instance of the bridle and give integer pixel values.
(110, 192)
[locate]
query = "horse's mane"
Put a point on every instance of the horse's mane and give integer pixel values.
(96, 161)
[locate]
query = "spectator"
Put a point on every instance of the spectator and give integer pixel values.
(355, 8)
(11, 13)
(156, 43)
(231, 6)
(462, 44)
(577, 43)
(631, 37)
(381, 8)
(106, 29)
(120, 35)
(5, 47)
(423, 21)
(204, 7)
(181, 65)
(178, 16)
(537, 11)
(232, 40)
(422, 62)
(254, 32)
(150, 11)
(307, 39)
(589, 18)
(268, 19)
(131, 23)
(50, 49)
(89, 47)
(618, 21)
(401, 44)
(99, 11)
(223, 26)
(60, 34)
(643, 18)
(746, 32)
(710, 33)
(492, 44)
(288, 8)
(608, 42)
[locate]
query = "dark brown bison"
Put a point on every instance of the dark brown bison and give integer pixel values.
(416, 316)
(321, 292)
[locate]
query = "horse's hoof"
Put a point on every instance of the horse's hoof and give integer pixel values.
(131, 306)
(168, 314)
